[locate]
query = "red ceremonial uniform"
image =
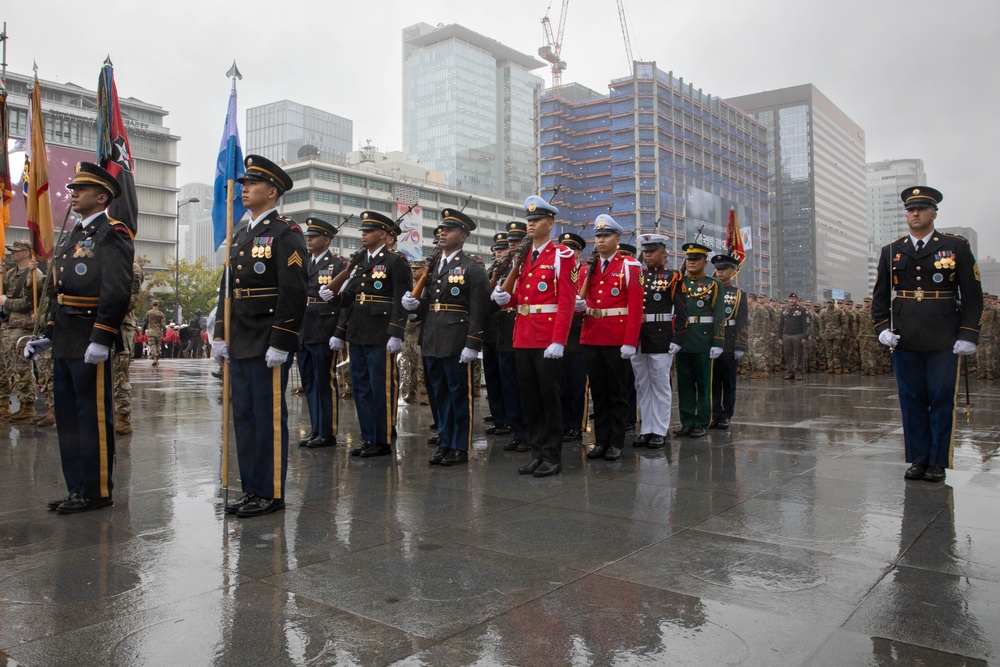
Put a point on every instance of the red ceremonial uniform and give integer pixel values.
(614, 303)
(544, 296)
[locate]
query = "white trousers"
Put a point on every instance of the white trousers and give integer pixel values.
(652, 389)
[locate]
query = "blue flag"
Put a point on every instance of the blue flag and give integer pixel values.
(229, 166)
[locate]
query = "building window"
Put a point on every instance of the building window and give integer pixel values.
(381, 186)
(448, 199)
(428, 214)
(326, 175)
(351, 179)
(428, 195)
(294, 197)
(357, 202)
(383, 206)
(327, 197)
(301, 175)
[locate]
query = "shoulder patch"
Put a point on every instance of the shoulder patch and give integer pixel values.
(121, 228)
(295, 259)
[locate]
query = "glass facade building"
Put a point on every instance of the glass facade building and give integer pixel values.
(886, 216)
(643, 150)
(286, 132)
(817, 193)
(468, 109)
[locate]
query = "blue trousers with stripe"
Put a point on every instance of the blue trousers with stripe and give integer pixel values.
(319, 384)
(927, 384)
(451, 382)
(86, 426)
(260, 419)
(372, 384)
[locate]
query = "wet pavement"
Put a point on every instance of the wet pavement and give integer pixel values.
(792, 539)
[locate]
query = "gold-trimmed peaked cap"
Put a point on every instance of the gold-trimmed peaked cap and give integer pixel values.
(535, 207)
(319, 227)
(921, 196)
(573, 240)
(696, 250)
(259, 168)
(516, 230)
(375, 221)
(453, 218)
(88, 173)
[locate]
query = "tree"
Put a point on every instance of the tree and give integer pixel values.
(198, 285)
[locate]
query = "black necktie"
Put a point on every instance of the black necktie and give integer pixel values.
(920, 245)
(534, 256)
(604, 266)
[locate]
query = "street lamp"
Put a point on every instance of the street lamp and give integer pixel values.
(177, 257)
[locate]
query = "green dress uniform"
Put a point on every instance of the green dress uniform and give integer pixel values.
(706, 324)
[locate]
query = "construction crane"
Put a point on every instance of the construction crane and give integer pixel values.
(623, 17)
(552, 51)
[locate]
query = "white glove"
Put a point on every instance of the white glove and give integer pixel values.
(553, 351)
(468, 355)
(336, 344)
(409, 302)
(628, 351)
(394, 345)
(888, 338)
(580, 306)
(34, 348)
(964, 347)
(275, 357)
(715, 353)
(738, 354)
(674, 348)
(325, 293)
(220, 350)
(96, 353)
(500, 297)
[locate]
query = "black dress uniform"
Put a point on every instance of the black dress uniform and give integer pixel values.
(454, 304)
(726, 366)
(928, 291)
(92, 276)
(376, 315)
(513, 406)
(317, 362)
(574, 384)
(491, 358)
(267, 283)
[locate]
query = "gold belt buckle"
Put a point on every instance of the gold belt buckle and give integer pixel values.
(361, 298)
(523, 309)
(436, 307)
(920, 294)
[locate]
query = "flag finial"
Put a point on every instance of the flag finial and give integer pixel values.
(107, 60)
(234, 74)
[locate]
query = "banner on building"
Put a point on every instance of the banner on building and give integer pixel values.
(410, 242)
(707, 222)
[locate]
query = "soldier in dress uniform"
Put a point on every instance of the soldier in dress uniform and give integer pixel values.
(379, 279)
(491, 358)
(610, 335)
(574, 383)
(92, 271)
(514, 407)
(453, 308)
(703, 342)
(793, 332)
(317, 362)
(725, 366)
(663, 327)
(267, 284)
(544, 294)
(927, 305)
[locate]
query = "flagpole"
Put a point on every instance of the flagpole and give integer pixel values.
(233, 74)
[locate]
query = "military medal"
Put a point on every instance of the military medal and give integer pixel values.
(377, 284)
(614, 291)
(701, 304)
(657, 296)
(938, 277)
(455, 291)
(542, 287)
(259, 268)
(81, 269)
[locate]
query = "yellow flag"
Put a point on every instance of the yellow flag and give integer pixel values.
(39, 205)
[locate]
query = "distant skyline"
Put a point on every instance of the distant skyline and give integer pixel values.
(918, 91)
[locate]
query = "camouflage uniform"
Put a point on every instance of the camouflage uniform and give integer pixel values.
(832, 329)
(869, 341)
(411, 366)
(851, 359)
(120, 378)
(815, 360)
(759, 332)
(17, 372)
(155, 324)
(774, 352)
(989, 329)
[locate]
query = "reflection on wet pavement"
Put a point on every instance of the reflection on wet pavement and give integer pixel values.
(791, 539)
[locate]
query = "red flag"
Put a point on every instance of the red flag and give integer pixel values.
(38, 204)
(113, 151)
(734, 238)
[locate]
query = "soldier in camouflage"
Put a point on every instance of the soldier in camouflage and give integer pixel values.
(19, 301)
(869, 346)
(832, 327)
(986, 352)
(121, 378)
(411, 367)
(760, 337)
(155, 325)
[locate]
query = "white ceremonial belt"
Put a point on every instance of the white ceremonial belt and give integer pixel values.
(730, 323)
(598, 313)
(659, 317)
(705, 319)
(530, 309)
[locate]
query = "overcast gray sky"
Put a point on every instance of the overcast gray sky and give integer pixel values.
(919, 76)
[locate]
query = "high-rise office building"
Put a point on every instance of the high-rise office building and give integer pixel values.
(70, 115)
(968, 233)
(199, 240)
(468, 110)
(886, 216)
(286, 132)
(819, 217)
(658, 152)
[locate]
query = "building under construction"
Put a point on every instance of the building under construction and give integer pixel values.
(657, 152)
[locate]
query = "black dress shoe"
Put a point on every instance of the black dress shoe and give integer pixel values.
(455, 457)
(642, 440)
(375, 449)
(356, 451)
(698, 432)
(530, 468)
(433, 426)
(498, 429)
(682, 431)
(322, 441)
(233, 508)
(722, 424)
(511, 446)
(597, 452)
(523, 446)
(393, 435)
(261, 506)
(613, 454)
(436, 457)
(80, 504)
(630, 427)
(216, 374)
(656, 442)
(934, 474)
(305, 441)
(916, 471)
(434, 440)
(488, 419)
(54, 504)
(572, 435)
(547, 469)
